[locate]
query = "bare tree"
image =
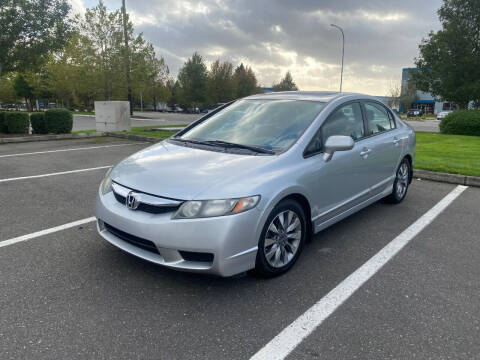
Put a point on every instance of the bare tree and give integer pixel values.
(394, 93)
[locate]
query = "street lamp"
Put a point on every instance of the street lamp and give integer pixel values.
(343, 52)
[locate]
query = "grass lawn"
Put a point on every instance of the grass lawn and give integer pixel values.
(144, 130)
(455, 154)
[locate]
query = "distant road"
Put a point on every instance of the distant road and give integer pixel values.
(425, 125)
(87, 122)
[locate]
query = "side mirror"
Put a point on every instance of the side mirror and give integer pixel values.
(336, 143)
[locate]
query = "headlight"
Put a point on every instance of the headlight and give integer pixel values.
(106, 185)
(208, 208)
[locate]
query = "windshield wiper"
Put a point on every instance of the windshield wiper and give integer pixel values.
(227, 144)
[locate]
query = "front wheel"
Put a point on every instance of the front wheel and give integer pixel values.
(282, 239)
(400, 185)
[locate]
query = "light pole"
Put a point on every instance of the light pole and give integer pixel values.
(127, 57)
(343, 52)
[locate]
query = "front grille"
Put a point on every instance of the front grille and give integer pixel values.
(152, 209)
(196, 256)
(132, 239)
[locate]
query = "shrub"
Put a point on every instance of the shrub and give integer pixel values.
(461, 122)
(39, 125)
(59, 121)
(3, 125)
(17, 122)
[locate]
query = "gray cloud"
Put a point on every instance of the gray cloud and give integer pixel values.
(382, 36)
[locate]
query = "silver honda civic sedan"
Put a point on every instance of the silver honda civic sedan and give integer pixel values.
(244, 187)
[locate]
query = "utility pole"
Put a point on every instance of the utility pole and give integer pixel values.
(343, 52)
(127, 56)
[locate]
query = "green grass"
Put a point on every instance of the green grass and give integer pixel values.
(455, 154)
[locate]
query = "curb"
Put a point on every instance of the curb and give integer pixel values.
(447, 178)
(133, 137)
(48, 137)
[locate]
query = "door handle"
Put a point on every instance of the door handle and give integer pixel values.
(396, 141)
(365, 151)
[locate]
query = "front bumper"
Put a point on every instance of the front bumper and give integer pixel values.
(232, 239)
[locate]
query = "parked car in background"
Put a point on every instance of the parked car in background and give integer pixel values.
(444, 113)
(177, 109)
(245, 186)
(193, 110)
(414, 112)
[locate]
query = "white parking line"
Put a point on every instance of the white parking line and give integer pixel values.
(46, 232)
(284, 343)
(54, 174)
(72, 149)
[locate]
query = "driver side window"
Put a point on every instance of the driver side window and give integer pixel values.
(347, 120)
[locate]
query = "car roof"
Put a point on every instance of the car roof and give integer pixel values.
(323, 96)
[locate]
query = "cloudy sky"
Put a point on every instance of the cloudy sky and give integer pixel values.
(275, 36)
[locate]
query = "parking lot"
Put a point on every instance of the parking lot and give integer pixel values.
(65, 293)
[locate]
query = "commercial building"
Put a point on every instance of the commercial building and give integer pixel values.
(423, 100)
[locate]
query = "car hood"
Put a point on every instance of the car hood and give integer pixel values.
(180, 172)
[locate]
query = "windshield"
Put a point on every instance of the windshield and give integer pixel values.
(268, 124)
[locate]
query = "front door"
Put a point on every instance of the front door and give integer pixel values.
(342, 182)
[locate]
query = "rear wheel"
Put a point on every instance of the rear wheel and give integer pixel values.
(282, 239)
(400, 185)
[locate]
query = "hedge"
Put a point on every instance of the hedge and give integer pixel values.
(17, 122)
(39, 125)
(59, 121)
(3, 125)
(461, 122)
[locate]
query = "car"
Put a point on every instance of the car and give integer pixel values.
(193, 110)
(414, 112)
(245, 186)
(444, 113)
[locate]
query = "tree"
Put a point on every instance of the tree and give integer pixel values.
(104, 31)
(30, 30)
(286, 84)
(408, 95)
(220, 82)
(23, 90)
(394, 93)
(245, 82)
(192, 78)
(449, 60)
(7, 91)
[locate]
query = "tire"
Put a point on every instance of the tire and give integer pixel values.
(283, 247)
(401, 183)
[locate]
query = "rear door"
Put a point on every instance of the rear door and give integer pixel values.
(382, 146)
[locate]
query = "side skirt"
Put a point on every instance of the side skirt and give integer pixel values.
(318, 226)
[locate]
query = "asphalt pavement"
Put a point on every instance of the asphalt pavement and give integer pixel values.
(71, 295)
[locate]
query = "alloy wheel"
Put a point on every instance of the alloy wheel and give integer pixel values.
(402, 180)
(282, 239)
